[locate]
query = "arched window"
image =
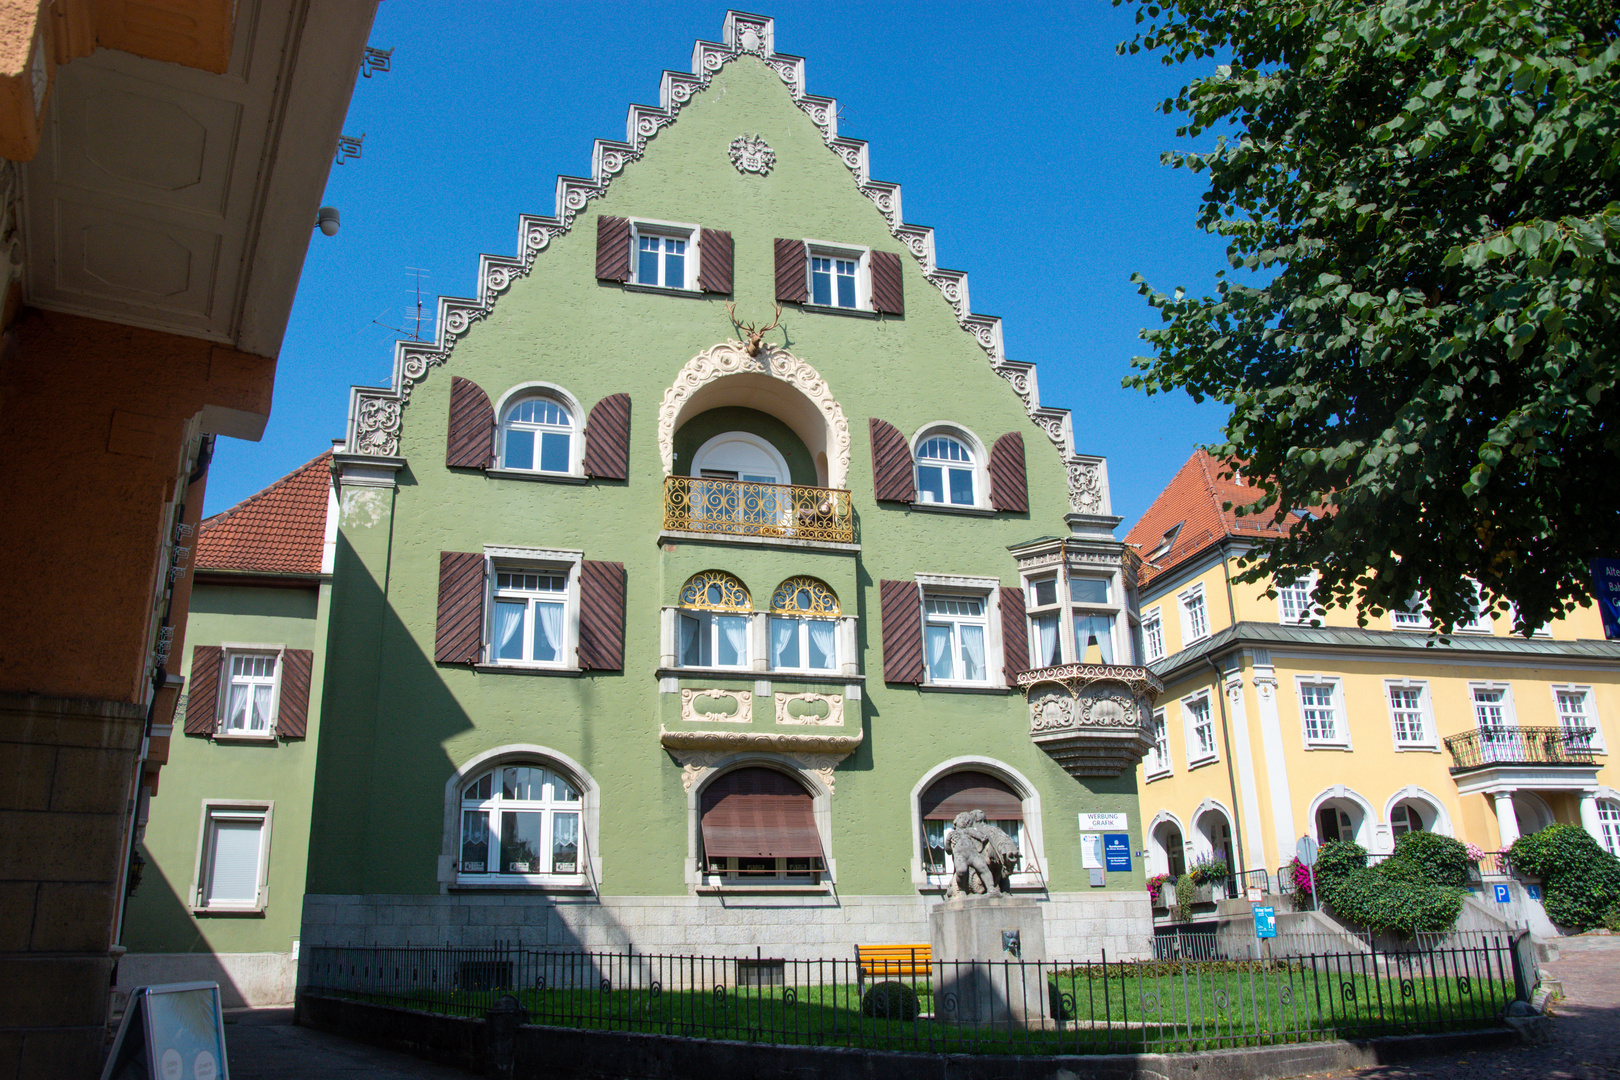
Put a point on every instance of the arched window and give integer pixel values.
(537, 435)
(955, 792)
(1337, 820)
(521, 822)
(945, 471)
(714, 622)
(1609, 820)
(804, 626)
(758, 824)
(1407, 816)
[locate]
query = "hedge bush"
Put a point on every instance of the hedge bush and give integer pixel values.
(1442, 860)
(1580, 882)
(890, 1001)
(1336, 860)
(1399, 894)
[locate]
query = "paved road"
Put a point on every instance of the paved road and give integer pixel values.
(264, 1045)
(1586, 1029)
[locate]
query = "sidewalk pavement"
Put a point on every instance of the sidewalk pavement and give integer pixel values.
(263, 1044)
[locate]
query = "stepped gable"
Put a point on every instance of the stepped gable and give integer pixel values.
(377, 412)
(1193, 500)
(280, 530)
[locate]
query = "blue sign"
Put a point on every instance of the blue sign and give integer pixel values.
(1606, 576)
(1265, 921)
(1501, 893)
(1533, 891)
(1116, 851)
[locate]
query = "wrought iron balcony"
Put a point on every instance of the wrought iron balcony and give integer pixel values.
(1520, 746)
(1093, 719)
(695, 504)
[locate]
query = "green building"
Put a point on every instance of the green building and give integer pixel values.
(225, 836)
(663, 623)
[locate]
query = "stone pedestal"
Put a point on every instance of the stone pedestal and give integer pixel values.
(980, 979)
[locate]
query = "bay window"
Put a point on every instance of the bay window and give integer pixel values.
(803, 626)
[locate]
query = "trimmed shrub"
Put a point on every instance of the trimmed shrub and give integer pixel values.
(1580, 882)
(1336, 861)
(1396, 895)
(1442, 860)
(890, 1001)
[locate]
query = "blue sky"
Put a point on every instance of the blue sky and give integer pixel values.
(1015, 131)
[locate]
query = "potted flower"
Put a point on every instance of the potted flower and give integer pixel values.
(1207, 876)
(1162, 890)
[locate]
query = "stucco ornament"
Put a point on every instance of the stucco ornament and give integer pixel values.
(751, 154)
(717, 706)
(698, 752)
(983, 857)
(1091, 718)
(817, 710)
(743, 35)
(731, 358)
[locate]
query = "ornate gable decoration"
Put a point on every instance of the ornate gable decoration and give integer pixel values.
(375, 412)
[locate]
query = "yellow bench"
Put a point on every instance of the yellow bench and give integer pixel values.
(878, 962)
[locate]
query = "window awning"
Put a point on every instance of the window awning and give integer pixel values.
(950, 795)
(759, 814)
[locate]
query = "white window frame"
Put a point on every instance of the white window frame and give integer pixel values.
(231, 650)
(1159, 762)
(1153, 635)
(803, 632)
(497, 804)
(981, 468)
(1589, 711)
(576, 438)
(219, 810)
(1483, 622)
(1415, 613)
(1184, 604)
(1340, 737)
(671, 230)
(826, 249)
(1429, 739)
(988, 592)
(1308, 610)
(1609, 825)
(1196, 754)
(1112, 609)
(709, 627)
(1031, 872)
(538, 560)
(1510, 715)
(1056, 610)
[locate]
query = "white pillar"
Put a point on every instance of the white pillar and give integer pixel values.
(1248, 808)
(1589, 817)
(1507, 821)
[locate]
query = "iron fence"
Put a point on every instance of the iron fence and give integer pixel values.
(1520, 746)
(695, 504)
(1206, 996)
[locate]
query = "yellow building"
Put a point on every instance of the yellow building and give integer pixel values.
(1276, 723)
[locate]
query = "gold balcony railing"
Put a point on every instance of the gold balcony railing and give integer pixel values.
(736, 508)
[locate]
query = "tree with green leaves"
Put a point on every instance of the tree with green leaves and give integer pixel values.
(1420, 359)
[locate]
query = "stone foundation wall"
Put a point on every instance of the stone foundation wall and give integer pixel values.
(1079, 926)
(251, 979)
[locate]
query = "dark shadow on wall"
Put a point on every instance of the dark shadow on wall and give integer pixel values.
(167, 945)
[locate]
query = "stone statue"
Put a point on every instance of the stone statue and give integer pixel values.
(982, 856)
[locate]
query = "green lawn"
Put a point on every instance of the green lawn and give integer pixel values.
(1136, 1008)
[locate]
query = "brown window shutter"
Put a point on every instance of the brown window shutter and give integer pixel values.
(471, 440)
(1009, 489)
(202, 690)
(759, 814)
(714, 261)
(607, 439)
(956, 792)
(460, 635)
(601, 616)
(612, 248)
(892, 477)
(888, 292)
(901, 603)
(792, 283)
(292, 715)
(1014, 634)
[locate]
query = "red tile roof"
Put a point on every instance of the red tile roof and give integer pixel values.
(1193, 500)
(281, 530)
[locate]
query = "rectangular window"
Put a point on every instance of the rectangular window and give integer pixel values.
(799, 644)
(1194, 616)
(1094, 639)
(1413, 617)
(250, 696)
(1200, 722)
(1491, 710)
(232, 857)
(1481, 621)
(1575, 716)
(1319, 708)
(1159, 757)
(954, 633)
(1045, 617)
(1294, 601)
(527, 624)
(832, 281)
(711, 639)
(662, 250)
(1153, 636)
(1406, 710)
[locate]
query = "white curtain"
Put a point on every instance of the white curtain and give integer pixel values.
(784, 643)
(509, 631)
(1046, 641)
(939, 652)
(973, 653)
(735, 630)
(823, 653)
(1094, 629)
(261, 708)
(548, 639)
(234, 706)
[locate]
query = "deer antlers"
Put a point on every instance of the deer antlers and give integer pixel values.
(756, 335)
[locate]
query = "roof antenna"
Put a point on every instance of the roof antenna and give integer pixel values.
(416, 320)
